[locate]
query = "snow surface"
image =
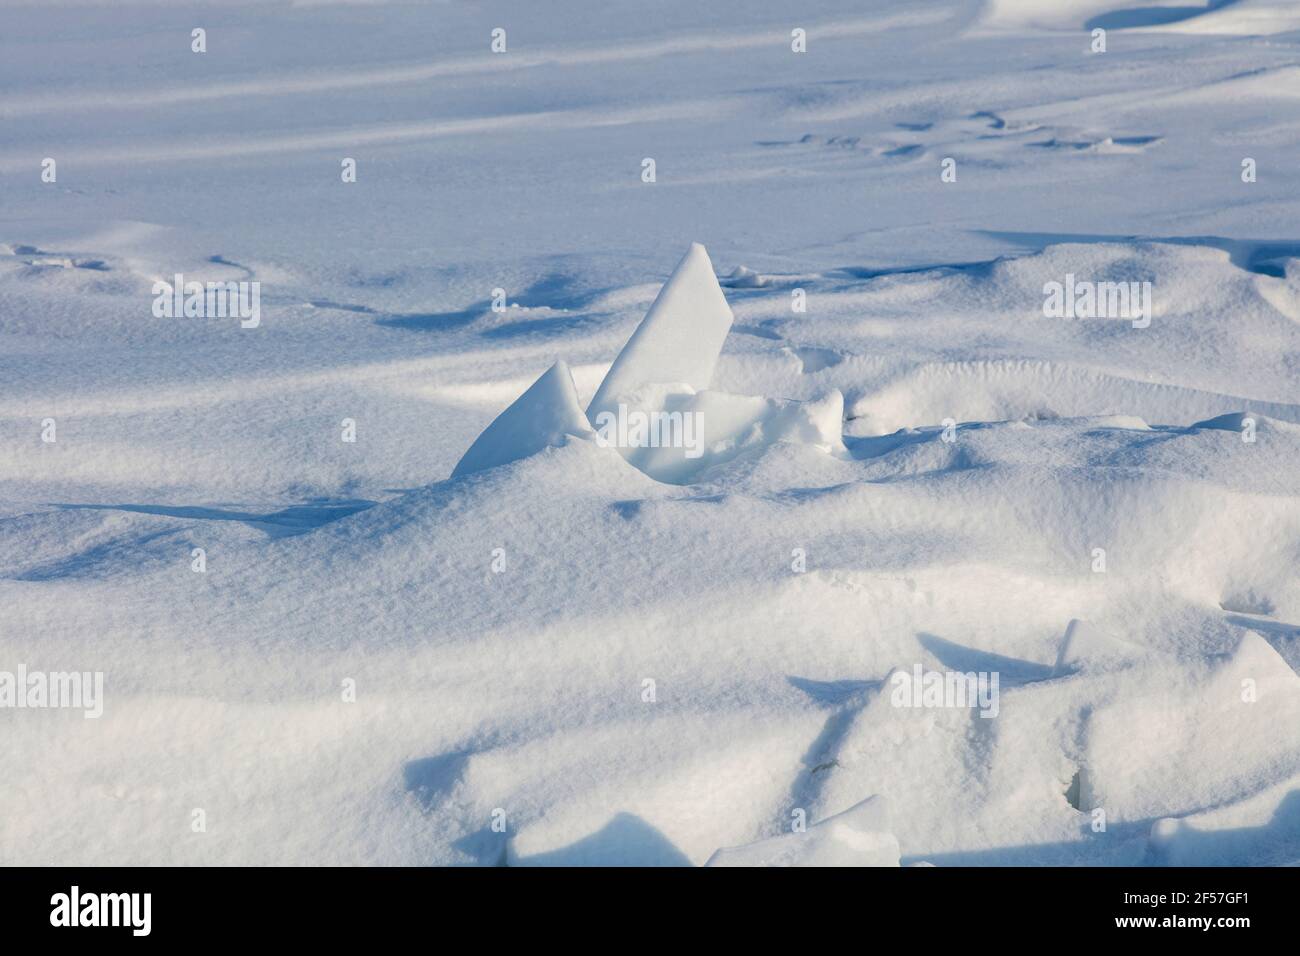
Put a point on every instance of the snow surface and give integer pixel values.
(563, 655)
(857, 837)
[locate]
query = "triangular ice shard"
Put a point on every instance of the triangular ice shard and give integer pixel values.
(679, 340)
(540, 417)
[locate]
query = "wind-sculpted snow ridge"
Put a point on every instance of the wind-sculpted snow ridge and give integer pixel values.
(838, 576)
(857, 837)
(1236, 17)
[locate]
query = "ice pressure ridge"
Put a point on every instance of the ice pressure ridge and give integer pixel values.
(656, 406)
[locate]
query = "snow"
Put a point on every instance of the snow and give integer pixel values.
(1260, 830)
(857, 837)
(1206, 738)
(1230, 17)
(478, 635)
(738, 424)
(1087, 647)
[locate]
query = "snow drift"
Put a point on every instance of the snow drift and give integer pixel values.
(857, 837)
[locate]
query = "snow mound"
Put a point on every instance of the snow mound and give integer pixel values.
(539, 418)
(1197, 740)
(1262, 830)
(745, 278)
(859, 836)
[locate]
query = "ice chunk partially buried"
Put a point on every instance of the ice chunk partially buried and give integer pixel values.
(679, 340)
(538, 418)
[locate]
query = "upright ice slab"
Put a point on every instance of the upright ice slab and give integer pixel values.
(540, 417)
(679, 340)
